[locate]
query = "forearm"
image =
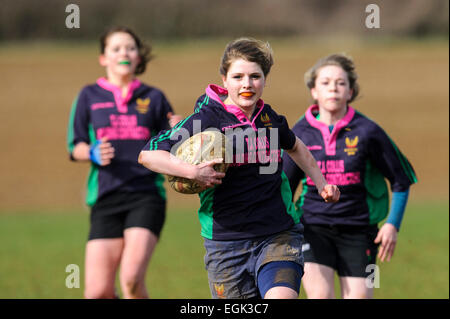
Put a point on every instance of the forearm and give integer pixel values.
(304, 159)
(165, 163)
(398, 205)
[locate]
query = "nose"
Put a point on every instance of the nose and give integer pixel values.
(124, 51)
(333, 86)
(247, 82)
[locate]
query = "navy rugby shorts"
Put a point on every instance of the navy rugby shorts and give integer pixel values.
(116, 211)
(347, 249)
(248, 268)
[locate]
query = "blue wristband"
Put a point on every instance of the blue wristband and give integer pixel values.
(94, 153)
(398, 205)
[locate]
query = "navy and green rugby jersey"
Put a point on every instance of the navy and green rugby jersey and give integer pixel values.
(248, 203)
(356, 156)
(128, 122)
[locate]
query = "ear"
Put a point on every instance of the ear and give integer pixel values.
(102, 60)
(314, 93)
(224, 78)
(350, 94)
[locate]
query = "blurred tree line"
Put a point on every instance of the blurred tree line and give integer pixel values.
(173, 19)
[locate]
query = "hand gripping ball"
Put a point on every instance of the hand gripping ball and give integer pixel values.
(201, 147)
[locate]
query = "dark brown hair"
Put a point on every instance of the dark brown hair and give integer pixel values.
(342, 60)
(143, 49)
(250, 50)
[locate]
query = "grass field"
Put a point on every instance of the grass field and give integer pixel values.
(43, 225)
(37, 247)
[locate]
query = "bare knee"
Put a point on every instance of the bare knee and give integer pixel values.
(100, 293)
(133, 287)
(318, 281)
(356, 294)
(320, 294)
(355, 288)
(281, 293)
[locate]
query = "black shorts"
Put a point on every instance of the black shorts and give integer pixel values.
(347, 249)
(120, 210)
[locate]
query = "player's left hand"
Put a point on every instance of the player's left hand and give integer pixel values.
(173, 119)
(387, 237)
(101, 152)
(330, 193)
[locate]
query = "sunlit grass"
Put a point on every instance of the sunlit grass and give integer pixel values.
(37, 247)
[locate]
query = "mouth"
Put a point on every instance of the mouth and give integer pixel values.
(125, 62)
(247, 94)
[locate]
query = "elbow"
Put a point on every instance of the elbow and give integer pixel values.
(146, 160)
(294, 148)
(141, 158)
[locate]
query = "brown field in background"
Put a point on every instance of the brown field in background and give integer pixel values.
(404, 88)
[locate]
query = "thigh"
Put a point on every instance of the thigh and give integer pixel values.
(280, 280)
(139, 244)
(280, 262)
(283, 246)
(318, 281)
(356, 251)
(228, 264)
(101, 263)
(319, 246)
(355, 288)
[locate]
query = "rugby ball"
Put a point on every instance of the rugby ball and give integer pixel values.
(199, 148)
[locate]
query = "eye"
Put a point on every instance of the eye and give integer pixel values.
(256, 76)
(237, 77)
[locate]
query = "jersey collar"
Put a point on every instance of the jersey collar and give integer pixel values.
(121, 102)
(329, 139)
(215, 92)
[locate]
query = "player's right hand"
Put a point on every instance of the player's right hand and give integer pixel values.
(330, 193)
(207, 176)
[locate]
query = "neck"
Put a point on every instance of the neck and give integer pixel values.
(331, 118)
(247, 111)
(121, 81)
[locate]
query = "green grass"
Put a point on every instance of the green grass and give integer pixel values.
(420, 265)
(36, 248)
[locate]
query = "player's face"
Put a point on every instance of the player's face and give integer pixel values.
(245, 83)
(332, 88)
(121, 55)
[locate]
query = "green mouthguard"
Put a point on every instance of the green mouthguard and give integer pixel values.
(124, 62)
